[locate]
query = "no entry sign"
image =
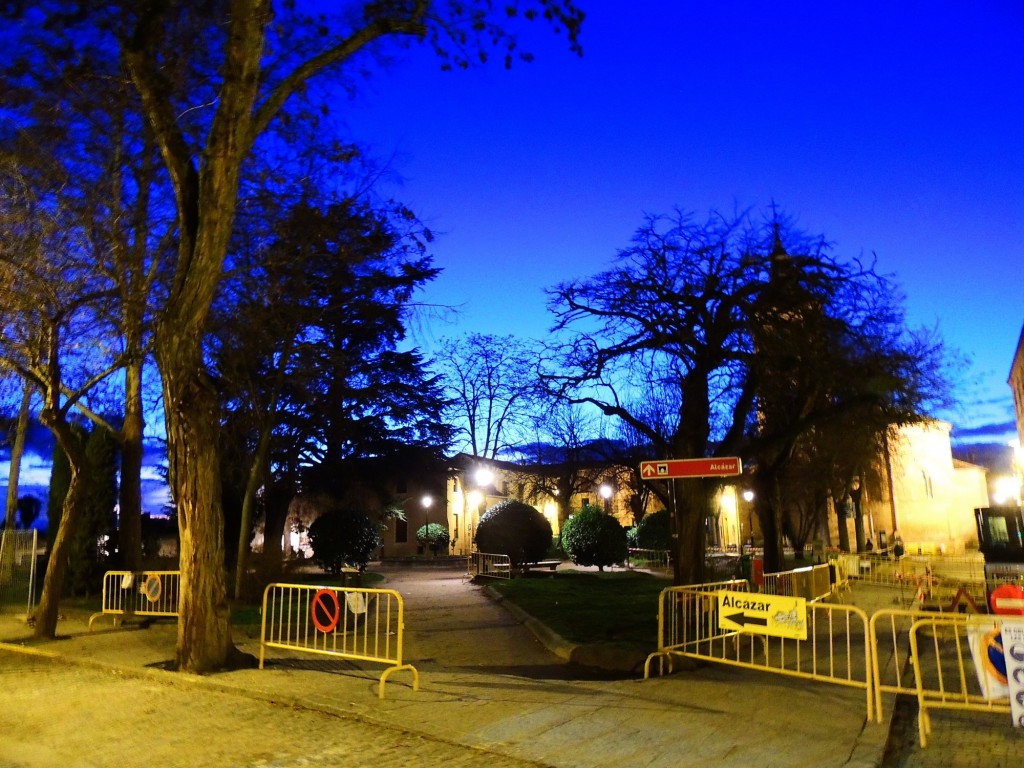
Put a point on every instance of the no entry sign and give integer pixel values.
(325, 610)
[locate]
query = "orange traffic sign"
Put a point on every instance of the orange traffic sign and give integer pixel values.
(727, 466)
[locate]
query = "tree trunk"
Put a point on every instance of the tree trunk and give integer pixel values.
(257, 474)
(690, 510)
(190, 409)
(769, 515)
(844, 533)
(60, 541)
(17, 451)
(130, 491)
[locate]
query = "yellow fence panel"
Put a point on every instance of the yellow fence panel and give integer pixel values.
(836, 649)
(812, 582)
(940, 582)
(945, 673)
(892, 670)
(139, 593)
(348, 622)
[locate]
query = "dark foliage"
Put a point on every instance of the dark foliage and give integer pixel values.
(516, 529)
(343, 537)
(655, 531)
(591, 537)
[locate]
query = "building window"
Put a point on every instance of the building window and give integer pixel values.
(401, 531)
(929, 490)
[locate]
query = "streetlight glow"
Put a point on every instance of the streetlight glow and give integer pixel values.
(483, 477)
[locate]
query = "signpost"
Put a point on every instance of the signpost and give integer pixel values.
(776, 615)
(728, 466)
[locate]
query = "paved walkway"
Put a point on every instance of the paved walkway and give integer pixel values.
(489, 685)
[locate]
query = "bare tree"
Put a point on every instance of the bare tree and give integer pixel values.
(491, 385)
(243, 93)
(53, 338)
(752, 347)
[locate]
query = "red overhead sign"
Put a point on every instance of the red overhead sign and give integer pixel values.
(727, 466)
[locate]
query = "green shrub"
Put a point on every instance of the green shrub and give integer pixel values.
(434, 536)
(515, 529)
(590, 537)
(343, 537)
(654, 531)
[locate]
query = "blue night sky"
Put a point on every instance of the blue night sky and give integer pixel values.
(895, 128)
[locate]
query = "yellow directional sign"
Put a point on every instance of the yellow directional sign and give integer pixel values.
(775, 615)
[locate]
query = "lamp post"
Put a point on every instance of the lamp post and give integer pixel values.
(856, 491)
(605, 492)
(426, 501)
(748, 496)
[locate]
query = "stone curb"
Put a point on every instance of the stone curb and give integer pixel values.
(609, 657)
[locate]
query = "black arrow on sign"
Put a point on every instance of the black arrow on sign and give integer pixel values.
(742, 619)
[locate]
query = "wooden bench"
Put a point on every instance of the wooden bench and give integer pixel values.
(549, 564)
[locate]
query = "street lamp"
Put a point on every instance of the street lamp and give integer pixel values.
(483, 477)
(426, 501)
(605, 492)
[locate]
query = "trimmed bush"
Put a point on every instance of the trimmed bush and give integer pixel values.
(515, 529)
(654, 531)
(434, 536)
(343, 537)
(590, 537)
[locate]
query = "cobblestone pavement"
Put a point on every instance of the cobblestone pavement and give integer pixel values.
(124, 721)
(491, 694)
(957, 740)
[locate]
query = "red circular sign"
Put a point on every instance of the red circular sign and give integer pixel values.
(1007, 600)
(325, 610)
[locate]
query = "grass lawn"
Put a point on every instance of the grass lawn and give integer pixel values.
(587, 607)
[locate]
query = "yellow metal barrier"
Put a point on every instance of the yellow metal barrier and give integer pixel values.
(811, 582)
(936, 580)
(141, 593)
(890, 655)
(486, 564)
(836, 649)
(841, 585)
(941, 656)
(348, 622)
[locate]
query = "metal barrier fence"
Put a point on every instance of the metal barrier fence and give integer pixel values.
(812, 582)
(938, 581)
(836, 649)
(652, 559)
(141, 593)
(891, 658)
(491, 565)
(348, 622)
(940, 652)
(18, 570)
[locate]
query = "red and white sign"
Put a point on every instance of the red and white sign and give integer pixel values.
(1007, 600)
(727, 466)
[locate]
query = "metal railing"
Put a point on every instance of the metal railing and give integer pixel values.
(939, 581)
(813, 582)
(347, 622)
(490, 565)
(139, 593)
(891, 658)
(18, 569)
(940, 648)
(836, 649)
(651, 559)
